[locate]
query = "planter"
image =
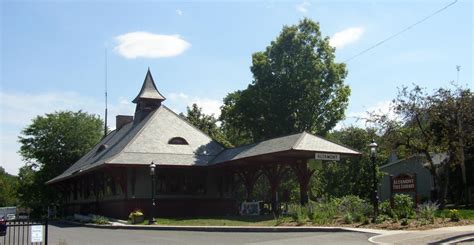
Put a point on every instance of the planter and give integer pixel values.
(138, 219)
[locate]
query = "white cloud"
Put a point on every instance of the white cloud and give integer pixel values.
(134, 45)
(179, 101)
(347, 36)
(18, 109)
(303, 7)
(359, 118)
(179, 12)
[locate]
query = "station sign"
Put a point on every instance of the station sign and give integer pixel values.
(327, 156)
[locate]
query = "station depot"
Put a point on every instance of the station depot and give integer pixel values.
(158, 162)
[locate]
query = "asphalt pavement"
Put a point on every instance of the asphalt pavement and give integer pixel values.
(65, 234)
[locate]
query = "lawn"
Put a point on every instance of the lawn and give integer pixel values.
(464, 213)
(267, 220)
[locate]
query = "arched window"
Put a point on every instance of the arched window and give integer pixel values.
(102, 147)
(177, 141)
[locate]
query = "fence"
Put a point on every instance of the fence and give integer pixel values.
(25, 232)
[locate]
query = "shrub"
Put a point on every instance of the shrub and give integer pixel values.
(382, 218)
(427, 210)
(325, 212)
(348, 219)
(454, 215)
(385, 208)
(298, 213)
(100, 220)
(354, 205)
(135, 213)
(403, 206)
(404, 222)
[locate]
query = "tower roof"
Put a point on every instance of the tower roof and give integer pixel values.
(149, 90)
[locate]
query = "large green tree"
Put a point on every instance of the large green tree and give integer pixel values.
(8, 184)
(426, 124)
(50, 145)
(297, 85)
(206, 123)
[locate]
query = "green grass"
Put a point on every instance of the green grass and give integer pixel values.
(464, 213)
(267, 220)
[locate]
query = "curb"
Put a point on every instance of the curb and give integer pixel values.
(221, 228)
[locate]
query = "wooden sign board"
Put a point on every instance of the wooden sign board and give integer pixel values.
(403, 183)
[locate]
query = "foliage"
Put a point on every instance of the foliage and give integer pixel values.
(350, 208)
(404, 222)
(297, 85)
(454, 215)
(206, 123)
(50, 145)
(8, 185)
(100, 220)
(385, 208)
(135, 213)
(355, 206)
(351, 176)
(402, 206)
(298, 213)
(348, 218)
(324, 212)
(427, 211)
(425, 123)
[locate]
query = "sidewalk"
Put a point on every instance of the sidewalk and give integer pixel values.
(440, 235)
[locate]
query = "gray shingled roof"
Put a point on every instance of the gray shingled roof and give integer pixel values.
(149, 90)
(297, 142)
(148, 141)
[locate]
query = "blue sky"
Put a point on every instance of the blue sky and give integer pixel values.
(53, 52)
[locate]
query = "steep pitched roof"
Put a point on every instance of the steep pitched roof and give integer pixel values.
(147, 141)
(296, 142)
(149, 90)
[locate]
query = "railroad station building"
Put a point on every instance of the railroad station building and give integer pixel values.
(194, 174)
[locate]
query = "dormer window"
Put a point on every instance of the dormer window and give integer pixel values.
(102, 148)
(178, 141)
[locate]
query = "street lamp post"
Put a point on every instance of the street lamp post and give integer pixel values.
(375, 198)
(151, 220)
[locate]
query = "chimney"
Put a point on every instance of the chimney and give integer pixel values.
(122, 120)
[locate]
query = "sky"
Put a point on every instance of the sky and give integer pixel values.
(53, 53)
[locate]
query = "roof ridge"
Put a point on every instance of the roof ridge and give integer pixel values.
(303, 134)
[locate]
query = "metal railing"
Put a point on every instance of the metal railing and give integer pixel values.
(25, 232)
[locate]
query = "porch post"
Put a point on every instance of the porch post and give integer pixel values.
(249, 176)
(274, 173)
(304, 176)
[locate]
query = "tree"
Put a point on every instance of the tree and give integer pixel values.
(352, 176)
(296, 86)
(452, 114)
(8, 185)
(206, 123)
(50, 145)
(427, 124)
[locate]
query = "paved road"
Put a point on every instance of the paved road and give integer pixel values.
(70, 235)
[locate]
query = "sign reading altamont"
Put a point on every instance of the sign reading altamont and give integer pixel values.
(327, 156)
(403, 183)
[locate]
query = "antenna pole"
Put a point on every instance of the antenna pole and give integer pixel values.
(458, 68)
(105, 119)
